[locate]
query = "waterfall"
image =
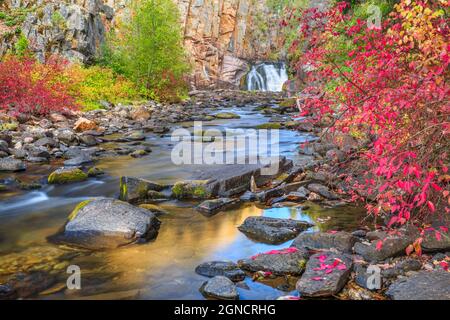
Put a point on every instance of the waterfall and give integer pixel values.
(267, 77)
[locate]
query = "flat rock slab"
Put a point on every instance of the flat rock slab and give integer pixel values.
(423, 285)
(325, 275)
(107, 223)
(211, 207)
(272, 230)
(221, 268)
(341, 241)
(220, 288)
(232, 179)
(279, 262)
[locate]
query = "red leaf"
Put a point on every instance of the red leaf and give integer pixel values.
(431, 206)
(437, 234)
(379, 245)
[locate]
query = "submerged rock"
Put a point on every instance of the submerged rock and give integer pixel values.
(221, 268)
(135, 190)
(322, 190)
(341, 241)
(221, 288)
(107, 223)
(211, 207)
(272, 230)
(227, 115)
(11, 164)
(67, 175)
(317, 281)
(423, 285)
(279, 262)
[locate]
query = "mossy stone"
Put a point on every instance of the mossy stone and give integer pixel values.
(195, 189)
(75, 211)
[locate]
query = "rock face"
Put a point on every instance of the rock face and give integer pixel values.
(219, 35)
(317, 281)
(107, 223)
(272, 230)
(220, 288)
(341, 241)
(221, 268)
(281, 262)
(423, 285)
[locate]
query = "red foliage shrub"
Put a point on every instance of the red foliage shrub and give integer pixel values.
(391, 91)
(27, 86)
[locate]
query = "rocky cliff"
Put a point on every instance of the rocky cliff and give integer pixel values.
(221, 36)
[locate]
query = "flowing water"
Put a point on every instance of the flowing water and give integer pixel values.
(267, 77)
(163, 268)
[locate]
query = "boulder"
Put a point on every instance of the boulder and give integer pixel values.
(323, 191)
(211, 207)
(272, 230)
(107, 223)
(83, 124)
(66, 175)
(46, 142)
(325, 275)
(221, 268)
(423, 285)
(11, 164)
(220, 288)
(135, 190)
(289, 261)
(341, 241)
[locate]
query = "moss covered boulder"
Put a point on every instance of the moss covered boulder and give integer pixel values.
(270, 125)
(107, 223)
(135, 190)
(192, 189)
(227, 115)
(67, 175)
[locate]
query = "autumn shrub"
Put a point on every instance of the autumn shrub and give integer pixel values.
(391, 91)
(90, 86)
(27, 86)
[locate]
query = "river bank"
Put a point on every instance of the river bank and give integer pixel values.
(135, 142)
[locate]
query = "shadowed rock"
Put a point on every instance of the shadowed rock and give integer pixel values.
(211, 207)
